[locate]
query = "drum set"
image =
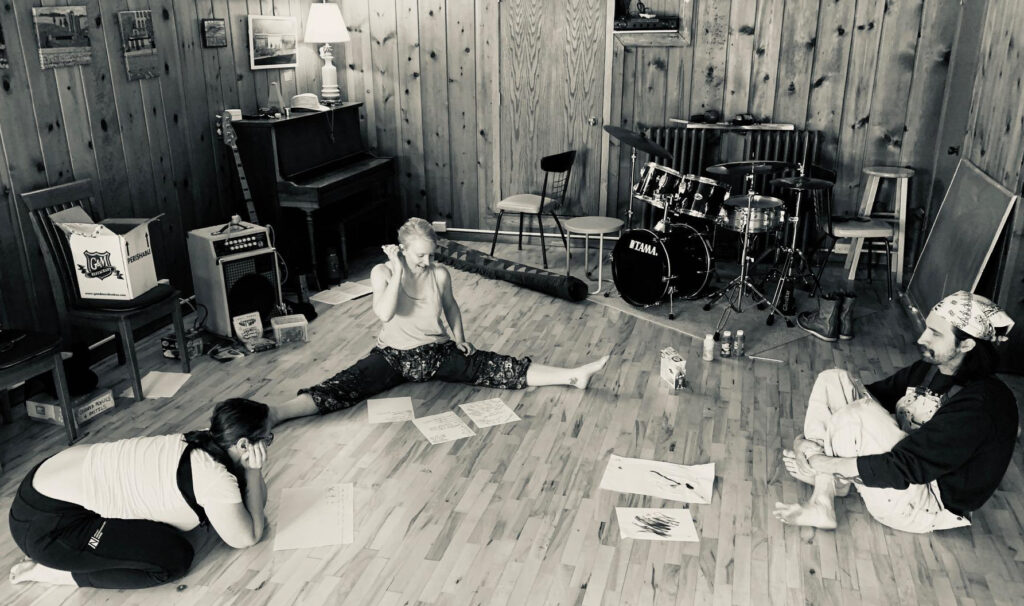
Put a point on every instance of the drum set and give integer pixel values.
(676, 257)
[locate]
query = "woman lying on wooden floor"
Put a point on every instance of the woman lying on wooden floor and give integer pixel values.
(113, 515)
(411, 295)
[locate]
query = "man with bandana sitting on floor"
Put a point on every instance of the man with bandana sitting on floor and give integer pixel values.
(926, 446)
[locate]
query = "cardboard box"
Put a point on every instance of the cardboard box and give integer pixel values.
(46, 408)
(673, 368)
(113, 258)
(290, 329)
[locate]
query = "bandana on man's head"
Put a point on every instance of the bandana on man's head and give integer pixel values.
(975, 315)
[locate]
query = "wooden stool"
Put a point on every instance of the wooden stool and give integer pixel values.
(592, 226)
(898, 215)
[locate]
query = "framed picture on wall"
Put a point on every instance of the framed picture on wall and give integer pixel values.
(138, 44)
(215, 33)
(62, 33)
(273, 42)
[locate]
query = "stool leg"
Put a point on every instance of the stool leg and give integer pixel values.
(567, 257)
(902, 185)
(125, 329)
(600, 262)
(494, 241)
(64, 397)
(866, 203)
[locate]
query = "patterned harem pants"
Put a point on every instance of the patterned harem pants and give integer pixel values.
(386, 367)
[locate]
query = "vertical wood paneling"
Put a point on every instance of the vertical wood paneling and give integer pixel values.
(462, 115)
(767, 42)
(520, 90)
(488, 96)
(799, 39)
(434, 89)
(410, 132)
(710, 50)
(828, 76)
(740, 57)
(383, 33)
(358, 68)
(584, 25)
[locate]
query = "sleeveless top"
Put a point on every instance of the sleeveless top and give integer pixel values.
(417, 321)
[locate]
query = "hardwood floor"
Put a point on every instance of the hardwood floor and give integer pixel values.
(514, 514)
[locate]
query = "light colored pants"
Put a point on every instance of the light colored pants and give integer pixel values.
(847, 424)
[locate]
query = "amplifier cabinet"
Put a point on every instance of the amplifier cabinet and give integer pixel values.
(222, 256)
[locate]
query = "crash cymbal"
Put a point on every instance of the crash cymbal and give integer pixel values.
(757, 202)
(750, 167)
(801, 183)
(637, 140)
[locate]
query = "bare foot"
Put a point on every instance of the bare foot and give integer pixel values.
(812, 513)
(803, 472)
(31, 571)
(581, 376)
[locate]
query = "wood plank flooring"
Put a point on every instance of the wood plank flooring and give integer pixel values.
(514, 514)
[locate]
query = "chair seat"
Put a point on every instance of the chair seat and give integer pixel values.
(25, 345)
(593, 225)
(889, 172)
(158, 293)
(523, 203)
(856, 228)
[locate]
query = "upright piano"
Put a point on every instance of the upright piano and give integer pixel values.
(316, 163)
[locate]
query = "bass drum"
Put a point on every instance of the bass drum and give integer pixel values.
(645, 264)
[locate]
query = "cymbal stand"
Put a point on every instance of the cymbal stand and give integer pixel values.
(794, 257)
(632, 173)
(737, 289)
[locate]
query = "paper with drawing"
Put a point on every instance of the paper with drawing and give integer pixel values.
(656, 524)
(687, 483)
(314, 516)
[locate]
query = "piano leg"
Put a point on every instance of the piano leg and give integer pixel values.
(312, 248)
(344, 250)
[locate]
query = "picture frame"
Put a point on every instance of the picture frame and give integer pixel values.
(214, 33)
(138, 45)
(62, 34)
(273, 42)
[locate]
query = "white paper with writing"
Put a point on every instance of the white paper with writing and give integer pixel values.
(487, 413)
(445, 427)
(390, 410)
(314, 516)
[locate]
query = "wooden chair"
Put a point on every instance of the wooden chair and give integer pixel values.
(118, 317)
(865, 228)
(557, 169)
(24, 355)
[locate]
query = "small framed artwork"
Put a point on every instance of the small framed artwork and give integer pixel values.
(273, 42)
(138, 44)
(215, 33)
(62, 33)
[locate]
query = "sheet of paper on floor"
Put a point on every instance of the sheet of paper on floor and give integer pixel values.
(158, 384)
(487, 413)
(344, 292)
(686, 483)
(445, 427)
(314, 516)
(654, 524)
(390, 410)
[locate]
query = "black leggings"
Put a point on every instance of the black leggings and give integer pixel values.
(386, 367)
(99, 552)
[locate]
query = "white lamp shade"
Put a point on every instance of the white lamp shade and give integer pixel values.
(325, 24)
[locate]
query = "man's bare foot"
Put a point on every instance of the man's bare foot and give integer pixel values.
(581, 376)
(800, 470)
(812, 513)
(31, 571)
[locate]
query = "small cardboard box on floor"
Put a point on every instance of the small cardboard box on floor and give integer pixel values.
(113, 258)
(45, 407)
(673, 368)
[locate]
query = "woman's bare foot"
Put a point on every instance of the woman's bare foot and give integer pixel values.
(31, 571)
(813, 513)
(581, 376)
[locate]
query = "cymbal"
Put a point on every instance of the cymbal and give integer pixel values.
(750, 167)
(637, 140)
(757, 202)
(801, 183)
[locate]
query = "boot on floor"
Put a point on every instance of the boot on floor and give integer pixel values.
(846, 303)
(823, 323)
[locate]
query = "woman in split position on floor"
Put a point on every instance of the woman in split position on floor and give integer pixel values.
(926, 446)
(113, 515)
(413, 297)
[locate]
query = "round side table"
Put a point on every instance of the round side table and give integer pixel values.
(592, 226)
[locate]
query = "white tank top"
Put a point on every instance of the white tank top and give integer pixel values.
(417, 321)
(136, 479)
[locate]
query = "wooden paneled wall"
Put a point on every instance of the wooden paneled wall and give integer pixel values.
(869, 74)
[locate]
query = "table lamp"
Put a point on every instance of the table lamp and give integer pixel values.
(325, 26)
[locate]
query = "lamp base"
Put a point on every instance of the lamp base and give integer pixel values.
(330, 94)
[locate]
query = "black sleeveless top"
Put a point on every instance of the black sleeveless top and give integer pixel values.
(184, 477)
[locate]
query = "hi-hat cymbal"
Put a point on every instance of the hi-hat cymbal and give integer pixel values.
(757, 201)
(637, 140)
(750, 167)
(801, 183)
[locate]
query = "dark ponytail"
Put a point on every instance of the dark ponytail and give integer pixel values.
(232, 420)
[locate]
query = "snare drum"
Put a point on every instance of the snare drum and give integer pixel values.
(701, 197)
(762, 216)
(658, 185)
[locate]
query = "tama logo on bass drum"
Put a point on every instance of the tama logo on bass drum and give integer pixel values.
(644, 247)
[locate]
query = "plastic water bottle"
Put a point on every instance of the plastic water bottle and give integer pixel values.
(727, 344)
(709, 348)
(738, 345)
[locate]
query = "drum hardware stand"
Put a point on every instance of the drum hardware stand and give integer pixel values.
(632, 173)
(738, 287)
(786, 274)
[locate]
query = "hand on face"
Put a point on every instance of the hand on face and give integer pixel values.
(255, 455)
